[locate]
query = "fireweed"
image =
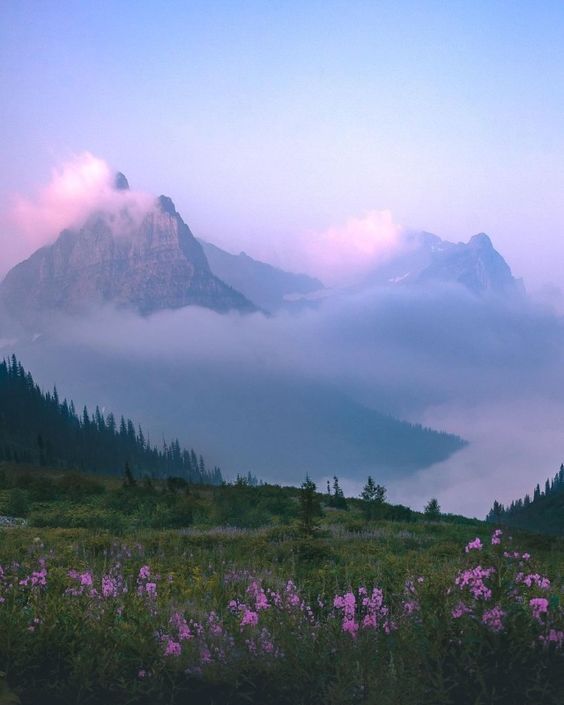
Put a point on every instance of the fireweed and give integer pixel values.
(264, 625)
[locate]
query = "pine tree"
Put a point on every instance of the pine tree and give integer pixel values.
(310, 508)
(338, 499)
(433, 509)
(373, 496)
(128, 479)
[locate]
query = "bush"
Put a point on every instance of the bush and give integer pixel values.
(18, 503)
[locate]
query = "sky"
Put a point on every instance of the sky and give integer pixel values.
(271, 122)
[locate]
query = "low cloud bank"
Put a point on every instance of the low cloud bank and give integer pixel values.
(488, 371)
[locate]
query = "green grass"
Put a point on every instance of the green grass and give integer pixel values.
(227, 544)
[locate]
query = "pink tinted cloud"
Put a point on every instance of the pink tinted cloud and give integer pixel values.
(78, 187)
(343, 253)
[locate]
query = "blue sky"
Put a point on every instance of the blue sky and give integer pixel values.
(265, 119)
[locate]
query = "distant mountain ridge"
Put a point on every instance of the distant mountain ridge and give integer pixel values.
(427, 260)
(154, 262)
(267, 286)
(157, 264)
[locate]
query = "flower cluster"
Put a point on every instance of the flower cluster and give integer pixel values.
(368, 611)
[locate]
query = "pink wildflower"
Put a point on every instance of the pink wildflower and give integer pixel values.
(539, 606)
(257, 593)
(554, 636)
(109, 586)
(151, 589)
(533, 579)
(493, 618)
(460, 610)
(249, 617)
(473, 579)
(350, 626)
(173, 648)
(144, 572)
(475, 545)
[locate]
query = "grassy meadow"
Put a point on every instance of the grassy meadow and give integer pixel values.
(241, 605)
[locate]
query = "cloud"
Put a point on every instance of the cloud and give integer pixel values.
(342, 253)
(80, 186)
(253, 392)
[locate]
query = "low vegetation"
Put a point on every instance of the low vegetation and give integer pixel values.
(268, 595)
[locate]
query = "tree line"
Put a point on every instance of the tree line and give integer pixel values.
(543, 510)
(39, 428)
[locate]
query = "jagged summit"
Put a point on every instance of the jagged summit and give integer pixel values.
(475, 265)
(481, 240)
(120, 182)
(146, 263)
(166, 205)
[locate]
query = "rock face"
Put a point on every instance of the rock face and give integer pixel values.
(152, 263)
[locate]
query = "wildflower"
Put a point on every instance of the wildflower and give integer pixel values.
(173, 648)
(460, 610)
(475, 545)
(493, 618)
(473, 579)
(249, 617)
(258, 594)
(178, 621)
(539, 606)
(214, 625)
(534, 579)
(410, 606)
(496, 537)
(350, 626)
(554, 636)
(144, 572)
(109, 586)
(86, 579)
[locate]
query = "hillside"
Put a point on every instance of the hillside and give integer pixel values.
(37, 427)
(543, 513)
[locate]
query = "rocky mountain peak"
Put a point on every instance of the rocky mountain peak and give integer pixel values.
(120, 182)
(146, 263)
(481, 240)
(166, 205)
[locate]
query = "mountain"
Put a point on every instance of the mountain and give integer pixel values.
(427, 259)
(476, 265)
(38, 428)
(267, 286)
(147, 263)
